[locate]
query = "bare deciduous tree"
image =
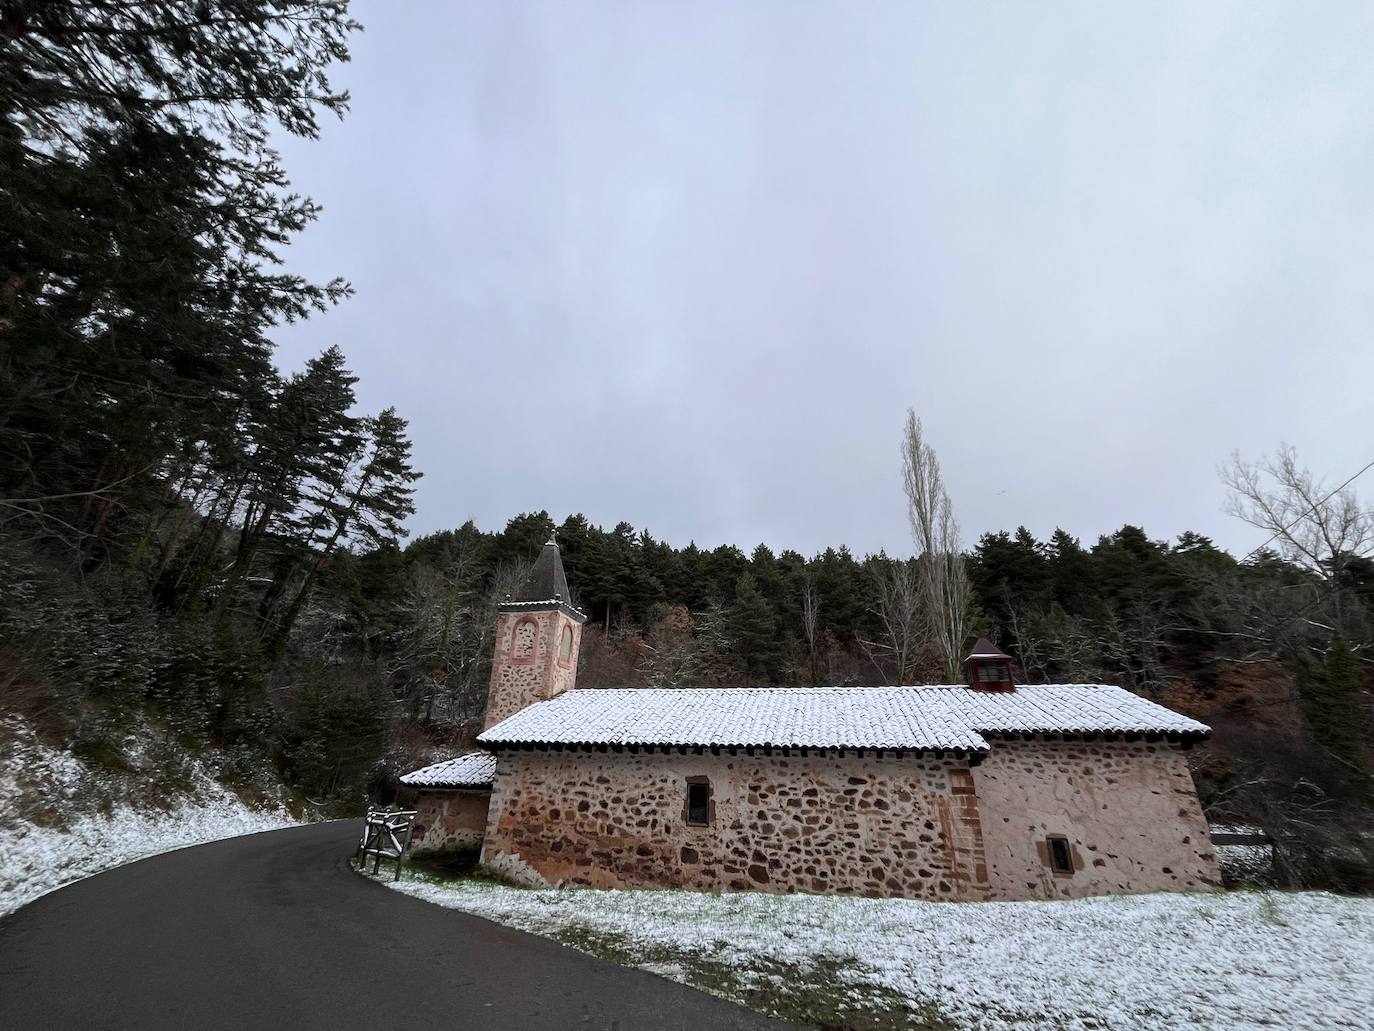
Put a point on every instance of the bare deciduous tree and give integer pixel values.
(673, 657)
(1275, 785)
(1132, 646)
(1123, 647)
(1052, 642)
(445, 657)
(946, 592)
(898, 607)
(1317, 529)
(810, 612)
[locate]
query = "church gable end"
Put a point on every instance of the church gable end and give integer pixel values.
(1065, 818)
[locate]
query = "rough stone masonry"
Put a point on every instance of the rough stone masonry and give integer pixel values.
(987, 790)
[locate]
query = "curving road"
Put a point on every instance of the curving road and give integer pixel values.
(273, 931)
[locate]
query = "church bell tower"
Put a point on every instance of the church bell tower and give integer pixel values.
(538, 634)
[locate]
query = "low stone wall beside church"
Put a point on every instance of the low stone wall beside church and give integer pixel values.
(843, 825)
(447, 818)
(1128, 812)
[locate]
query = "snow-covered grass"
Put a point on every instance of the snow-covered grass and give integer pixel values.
(1239, 960)
(52, 832)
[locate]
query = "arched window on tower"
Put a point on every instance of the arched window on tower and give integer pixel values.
(565, 646)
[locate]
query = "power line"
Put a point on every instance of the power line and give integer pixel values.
(1307, 511)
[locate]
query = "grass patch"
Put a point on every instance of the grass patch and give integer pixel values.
(446, 865)
(813, 996)
(1269, 912)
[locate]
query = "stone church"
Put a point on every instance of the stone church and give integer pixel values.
(981, 790)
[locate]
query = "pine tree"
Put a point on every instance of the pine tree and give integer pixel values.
(522, 538)
(843, 586)
(575, 541)
(723, 567)
(753, 629)
(634, 588)
(696, 590)
(140, 220)
(368, 511)
(1009, 571)
(301, 462)
(1071, 571)
(1330, 695)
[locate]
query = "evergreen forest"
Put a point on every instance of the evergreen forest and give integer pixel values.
(193, 541)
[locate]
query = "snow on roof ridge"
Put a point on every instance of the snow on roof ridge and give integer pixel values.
(783, 717)
(879, 689)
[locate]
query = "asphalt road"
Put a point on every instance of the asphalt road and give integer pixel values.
(274, 931)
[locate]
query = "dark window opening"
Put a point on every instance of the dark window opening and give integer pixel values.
(699, 803)
(992, 674)
(1061, 859)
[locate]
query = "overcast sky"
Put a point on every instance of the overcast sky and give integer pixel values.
(688, 265)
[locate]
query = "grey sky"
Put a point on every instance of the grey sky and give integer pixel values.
(687, 265)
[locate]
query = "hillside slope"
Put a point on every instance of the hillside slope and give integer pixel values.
(63, 818)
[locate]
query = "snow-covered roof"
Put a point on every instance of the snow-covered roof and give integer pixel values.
(816, 717)
(473, 770)
(1066, 709)
(918, 718)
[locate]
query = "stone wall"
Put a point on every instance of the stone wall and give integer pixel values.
(447, 818)
(1128, 810)
(844, 825)
(527, 663)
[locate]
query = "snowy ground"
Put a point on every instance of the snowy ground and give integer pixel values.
(39, 853)
(1238, 960)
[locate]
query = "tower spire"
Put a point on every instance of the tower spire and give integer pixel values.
(546, 585)
(538, 634)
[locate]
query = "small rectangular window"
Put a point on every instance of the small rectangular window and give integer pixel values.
(699, 802)
(992, 674)
(1061, 857)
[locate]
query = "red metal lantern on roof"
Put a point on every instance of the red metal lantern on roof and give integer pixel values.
(988, 668)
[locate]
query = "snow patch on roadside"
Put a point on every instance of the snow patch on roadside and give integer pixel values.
(36, 858)
(1238, 960)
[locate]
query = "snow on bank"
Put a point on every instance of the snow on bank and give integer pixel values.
(36, 859)
(1243, 864)
(1246, 864)
(1240, 960)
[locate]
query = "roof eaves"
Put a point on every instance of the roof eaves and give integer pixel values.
(544, 605)
(471, 771)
